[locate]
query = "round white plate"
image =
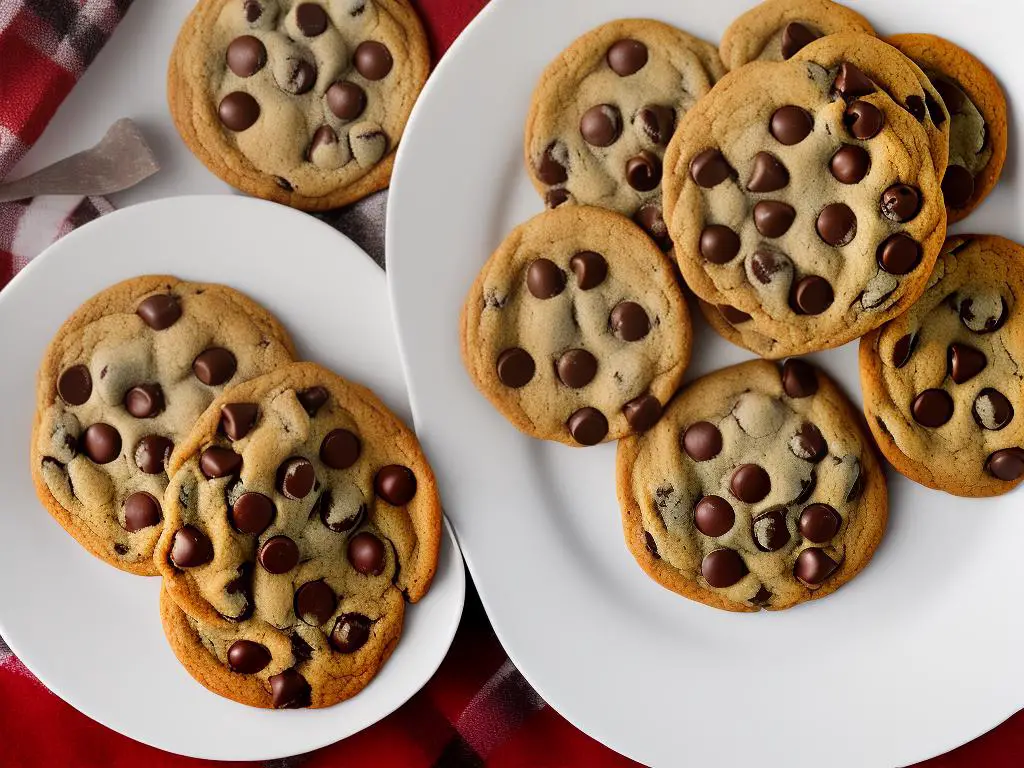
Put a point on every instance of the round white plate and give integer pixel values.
(917, 655)
(92, 633)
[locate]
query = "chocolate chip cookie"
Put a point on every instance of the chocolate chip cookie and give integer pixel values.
(776, 30)
(121, 384)
(977, 118)
(757, 489)
(300, 516)
(301, 102)
(604, 111)
(944, 382)
(576, 329)
(804, 197)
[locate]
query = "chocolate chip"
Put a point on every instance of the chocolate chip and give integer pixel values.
(588, 426)
(312, 399)
(791, 124)
(101, 443)
(300, 79)
(301, 650)
(809, 444)
(152, 454)
(899, 254)
(900, 203)
(957, 186)
(515, 367)
(773, 218)
(858, 484)
(373, 60)
(350, 633)
(935, 110)
(799, 378)
(719, 244)
(916, 107)
(651, 545)
(544, 279)
(702, 441)
(992, 410)
(555, 197)
(395, 484)
(315, 602)
(295, 478)
(217, 462)
(252, 513)
(253, 11)
(763, 596)
(813, 566)
(590, 269)
(346, 100)
(819, 523)
(733, 315)
(850, 164)
(710, 168)
(279, 554)
(794, 37)
(768, 175)
(160, 311)
(322, 507)
(812, 295)
(627, 57)
(650, 219)
(75, 385)
(850, 82)
(242, 585)
(311, 19)
(289, 690)
(932, 408)
(750, 483)
(982, 320)
(141, 510)
(238, 111)
(863, 120)
(642, 412)
(723, 568)
(366, 553)
(657, 123)
(283, 184)
(549, 170)
(247, 657)
(951, 94)
(903, 349)
(340, 449)
(215, 366)
(769, 530)
(714, 516)
(144, 401)
(965, 362)
(190, 548)
(1006, 464)
(576, 368)
(837, 224)
(629, 321)
(643, 172)
(601, 126)
(246, 56)
(765, 264)
(238, 419)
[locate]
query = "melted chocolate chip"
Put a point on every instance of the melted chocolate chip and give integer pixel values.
(733, 315)
(992, 410)
(809, 444)
(903, 349)
(957, 186)
(315, 602)
(900, 203)
(657, 123)
(813, 566)
(549, 170)
(650, 219)
(916, 107)
(312, 399)
(812, 295)
(311, 19)
(1006, 464)
(217, 462)
(296, 478)
(850, 82)
(769, 530)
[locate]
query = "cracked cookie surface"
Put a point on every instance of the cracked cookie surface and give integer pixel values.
(301, 515)
(757, 489)
(122, 382)
(944, 382)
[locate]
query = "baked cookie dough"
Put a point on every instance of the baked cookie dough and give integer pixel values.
(301, 102)
(776, 30)
(944, 382)
(300, 517)
(804, 197)
(121, 384)
(977, 114)
(604, 111)
(757, 489)
(576, 329)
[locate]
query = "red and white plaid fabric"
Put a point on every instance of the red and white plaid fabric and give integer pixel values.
(477, 711)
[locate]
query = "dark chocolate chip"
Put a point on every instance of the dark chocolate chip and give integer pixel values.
(601, 126)
(576, 368)
(373, 60)
(768, 175)
(300, 79)
(733, 315)
(289, 690)
(642, 412)
(283, 184)
(858, 485)
(837, 224)
(242, 585)
(773, 218)
(702, 441)
(719, 244)
(813, 566)
(322, 507)
(794, 37)
(217, 462)
(769, 530)
(144, 401)
(643, 172)
(627, 57)
(714, 516)
(238, 111)
(190, 548)
(340, 449)
(301, 650)
(935, 110)
(951, 94)
(863, 120)
(763, 596)
(791, 124)
(899, 254)
(296, 478)
(723, 568)
(238, 419)
(101, 443)
(75, 385)
(395, 484)
(629, 321)
(799, 378)
(900, 203)
(710, 168)
(657, 122)
(312, 399)
(903, 349)
(651, 545)
(253, 11)
(311, 19)
(650, 219)
(544, 279)
(279, 554)
(366, 553)
(992, 409)
(315, 602)
(346, 100)
(350, 633)
(549, 170)
(590, 269)
(978, 324)
(515, 367)
(932, 408)
(850, 82)
(246, 56)
(957, 186)
(588, 426)
(819, 523)
(916, 107)
(850, 164)
(812, 295)
(750, 483)
(765, 264)
(247, 657)
(153, 453)
(215, 366)
(1006, 464)
(252, 513)
(555, 197)
(809, 444)
(160, 311)
(965, 362)
(141, 510)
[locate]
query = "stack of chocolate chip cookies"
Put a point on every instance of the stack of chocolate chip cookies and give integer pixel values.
(289, 512)
(798, 181)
